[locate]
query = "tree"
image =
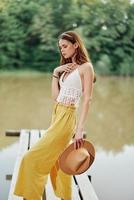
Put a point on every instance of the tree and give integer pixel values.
(30, 30)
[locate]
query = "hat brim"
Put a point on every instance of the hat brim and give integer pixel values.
(62, 159)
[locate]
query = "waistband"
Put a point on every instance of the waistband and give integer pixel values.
(72, 106)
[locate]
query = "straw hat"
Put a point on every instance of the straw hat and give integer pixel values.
(76, 161)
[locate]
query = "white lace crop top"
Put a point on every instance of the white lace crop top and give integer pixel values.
(70, 88)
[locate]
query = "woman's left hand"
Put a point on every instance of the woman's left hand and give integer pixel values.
(78, 138)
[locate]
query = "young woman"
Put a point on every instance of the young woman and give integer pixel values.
(71, 80)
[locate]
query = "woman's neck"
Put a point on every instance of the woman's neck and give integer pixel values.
(73, 58)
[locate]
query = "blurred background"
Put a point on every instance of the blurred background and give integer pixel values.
(28, 54)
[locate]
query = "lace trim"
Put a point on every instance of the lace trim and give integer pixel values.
(69, 95)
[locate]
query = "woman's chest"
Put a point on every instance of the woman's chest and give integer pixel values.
(73, 79)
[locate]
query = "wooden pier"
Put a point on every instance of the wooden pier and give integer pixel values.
(82, 187)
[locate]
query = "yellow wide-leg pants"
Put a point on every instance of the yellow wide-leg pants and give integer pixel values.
(42, 158)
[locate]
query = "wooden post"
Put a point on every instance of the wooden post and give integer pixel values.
(8, 177)
(12, 133)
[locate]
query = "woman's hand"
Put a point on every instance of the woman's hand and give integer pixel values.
(78, 138)
(64, 68)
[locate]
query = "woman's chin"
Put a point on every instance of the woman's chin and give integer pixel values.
(66, 56)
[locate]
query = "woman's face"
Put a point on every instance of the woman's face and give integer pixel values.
(67, 48)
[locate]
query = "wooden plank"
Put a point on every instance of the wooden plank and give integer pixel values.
(34, 136)
(42, 132)
(75, 191)
(49, 191)
(23, 145)
(86, 187)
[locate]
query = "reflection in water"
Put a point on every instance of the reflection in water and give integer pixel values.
(25, 102)
(112, 175)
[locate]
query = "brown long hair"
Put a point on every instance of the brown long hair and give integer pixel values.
(82, 55)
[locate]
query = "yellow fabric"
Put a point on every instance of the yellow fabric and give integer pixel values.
(42, 158)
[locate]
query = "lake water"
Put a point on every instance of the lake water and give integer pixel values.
(25, 102)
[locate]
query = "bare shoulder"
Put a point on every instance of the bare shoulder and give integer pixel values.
(86, 68)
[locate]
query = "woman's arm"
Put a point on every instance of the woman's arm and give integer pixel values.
(88, 76)
(55, 85)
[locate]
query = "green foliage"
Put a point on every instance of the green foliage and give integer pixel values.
(29, 31)
(103, 66)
